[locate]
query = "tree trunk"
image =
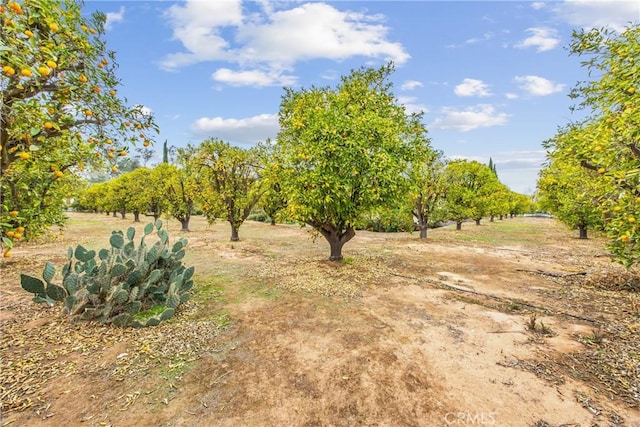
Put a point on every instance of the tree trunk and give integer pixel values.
(115, 214)
(123, 213)
(423, 231)
(501, 216)
(136, 216)
(184, 223)
(273, 221)
(478, 221)
(459, 225)
(583, 231)
(491, 219)
(336, 238)
(234, 233)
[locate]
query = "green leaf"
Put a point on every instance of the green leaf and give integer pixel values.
(118, 270)
(103, 254)
(173, 301)
(122, 320)
(167, 314)
(80, 252)
(49, 272)
(188, 273)
(158, 224)
(32, 284)
(148, 229)
(131, 232)
(55, 292)
(117, 241)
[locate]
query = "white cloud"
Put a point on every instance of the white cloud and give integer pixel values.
(197, 25)
(410, 105)
(275, 40)
(543, 38)
(113, 17)
(537, 5)
(410, 85)
(591, 14)
(538, 86)
(479, 116)
(511, 95)
(472, 87)
(252, 78)
(242, 131)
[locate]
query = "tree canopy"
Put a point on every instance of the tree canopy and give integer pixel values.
(343, 151)
(60, 111)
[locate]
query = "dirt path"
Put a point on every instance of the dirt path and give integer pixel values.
(384, 339)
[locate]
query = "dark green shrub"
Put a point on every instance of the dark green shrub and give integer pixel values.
(122, 285)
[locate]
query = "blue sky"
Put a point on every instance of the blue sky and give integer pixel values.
(492, 78)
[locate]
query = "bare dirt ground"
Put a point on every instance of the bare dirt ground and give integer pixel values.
(512, 323)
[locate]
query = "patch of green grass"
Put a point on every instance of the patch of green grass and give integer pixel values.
(475, 238)
(153, 311)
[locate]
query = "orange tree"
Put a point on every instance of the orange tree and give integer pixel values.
(607, 142)
(59, 112)
(229, 182)
(470, 188)
(179, 188)
(343, 152)
(428, 189)
(573, 194)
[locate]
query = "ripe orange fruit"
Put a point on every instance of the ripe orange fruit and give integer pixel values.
(92, 31)
(20, 229)
(54, 27)
(14, 213)
(127, 123)
(58, 174)
(48, 125)
(24, 155)
(631, 219)
(15, 7)
(83, 78)
(10, 234)
(624, 238)
(146, 143)
(17, 236)
(617, 209)
(122, 153)
(25, 72)
(112, 92)
(110, 155)
(6, 254)
(114, 169)
(96, 89)
(112, 149)
(104, 61)
(601, 171)
(631, 90)
(28, 33)
(52, 64)
(88, 113)
(108, 141)
(84, 27)
(8, 70)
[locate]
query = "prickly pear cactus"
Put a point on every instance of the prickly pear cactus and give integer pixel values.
(123, 285)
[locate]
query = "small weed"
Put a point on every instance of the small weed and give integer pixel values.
(538, 328)
(532, 323)
(514, 306)
(596, 337)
